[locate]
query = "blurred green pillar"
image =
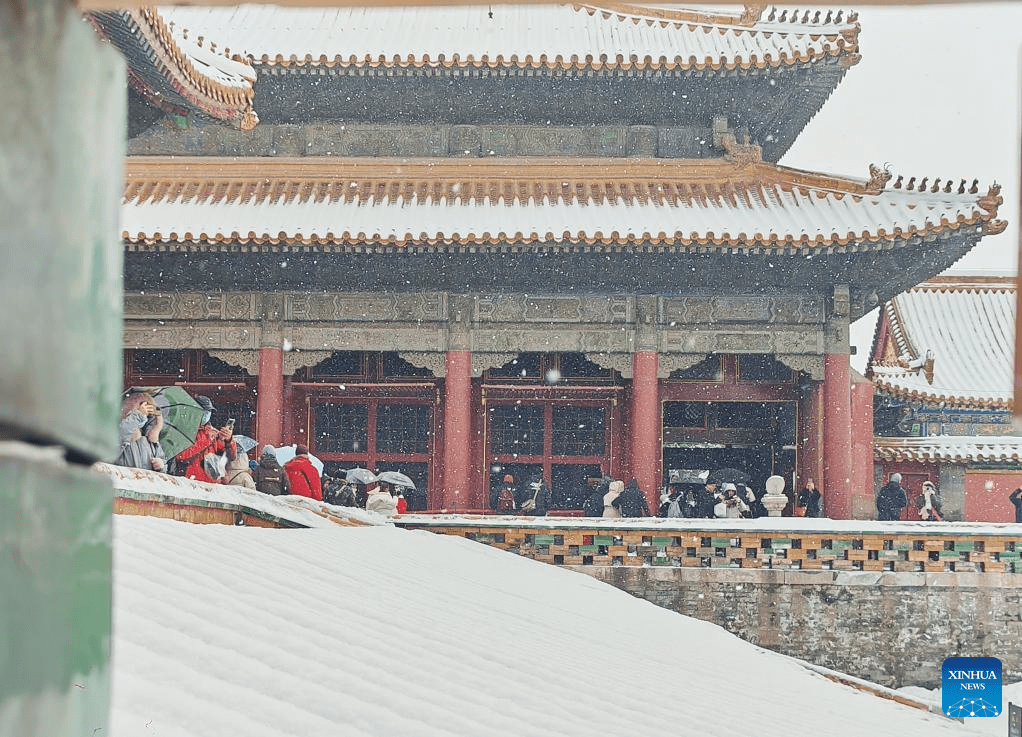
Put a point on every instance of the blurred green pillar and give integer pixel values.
(62, 112)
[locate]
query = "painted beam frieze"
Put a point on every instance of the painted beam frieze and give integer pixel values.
(741, 309)
(368, 307)
(513, 308)
(391, 338)
(201, 336)
(192, 306)
(556, 339)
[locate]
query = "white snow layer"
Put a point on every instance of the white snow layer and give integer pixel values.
(229, 631)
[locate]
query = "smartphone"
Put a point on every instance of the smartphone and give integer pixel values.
(230, 423)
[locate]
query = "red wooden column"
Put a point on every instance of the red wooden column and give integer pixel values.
(644, 434)
(863, 501)
(457, 431)
(270, 400)
(837, 435)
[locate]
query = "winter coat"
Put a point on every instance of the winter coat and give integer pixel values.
(632, 502)
(929, 505)
(672, 504)
(207, 440)
(269, 477)
(593, 504)
(402, 505)
(810, 499)
(701, 503)
(1015, 498)
(890, 501)
(381, 502)
(610, 508)
(730, 507)
(495, 495)
(304, 478)
(238, 473)
(137, 450)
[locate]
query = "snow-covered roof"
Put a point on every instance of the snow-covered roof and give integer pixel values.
(365, 631)
(951, 339)
(174, 72)
(565, 36)
(950, 449)
(740, 205)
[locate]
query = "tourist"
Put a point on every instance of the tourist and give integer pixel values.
(632, 502)
(929, 503)
(503, 497)
(1015, 498)
(269, 477)
(729, 504)
(613, 492)
(671, 501)
(238, 473)
(891, 499)
(141, 423)
(592, 506)
(537, 500)
(380, 500)
(809, 500)
(302, 476)
(209, 441)
(702, 501)
(754, 500)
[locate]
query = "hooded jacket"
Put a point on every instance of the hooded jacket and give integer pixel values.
(238, 472)
(890, 501)
(304, 478)
(631, 502)
(269, 477)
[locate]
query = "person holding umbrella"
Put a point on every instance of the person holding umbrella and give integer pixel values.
(208, 440)
(141, 424)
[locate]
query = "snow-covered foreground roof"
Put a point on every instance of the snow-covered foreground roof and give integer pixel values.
(224, 630)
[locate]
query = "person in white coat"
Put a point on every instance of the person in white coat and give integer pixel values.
(381, 501)
(729, 504)
(609, 510)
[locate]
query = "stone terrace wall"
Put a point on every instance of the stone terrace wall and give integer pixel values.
(886, 602)
(891, 628)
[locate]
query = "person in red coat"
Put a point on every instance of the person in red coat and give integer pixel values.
(208, 439)
(302, 475)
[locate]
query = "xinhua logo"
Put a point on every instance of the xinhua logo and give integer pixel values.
(971, 687)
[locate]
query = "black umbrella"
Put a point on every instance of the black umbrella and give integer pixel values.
(728, 476)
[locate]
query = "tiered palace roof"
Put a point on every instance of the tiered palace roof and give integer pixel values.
(949, 340)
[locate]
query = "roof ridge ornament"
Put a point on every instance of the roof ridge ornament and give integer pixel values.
(878, 179)
(752, 14)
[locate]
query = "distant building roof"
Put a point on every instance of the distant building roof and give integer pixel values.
(737, 206)
(207, 59)
(949, 449)
(603, 35)
(951, 340)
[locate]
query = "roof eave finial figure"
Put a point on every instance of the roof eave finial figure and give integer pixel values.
(878, 179)
(990, 202)
(751, 14)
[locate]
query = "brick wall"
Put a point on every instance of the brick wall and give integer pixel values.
(891, 628)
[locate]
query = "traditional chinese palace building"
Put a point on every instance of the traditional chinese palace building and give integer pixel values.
(941, 366)
(540, 240)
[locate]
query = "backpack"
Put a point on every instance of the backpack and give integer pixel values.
(505, 499)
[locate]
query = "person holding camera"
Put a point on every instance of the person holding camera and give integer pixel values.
(209, 440)
(729, 504)
(141, 423)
